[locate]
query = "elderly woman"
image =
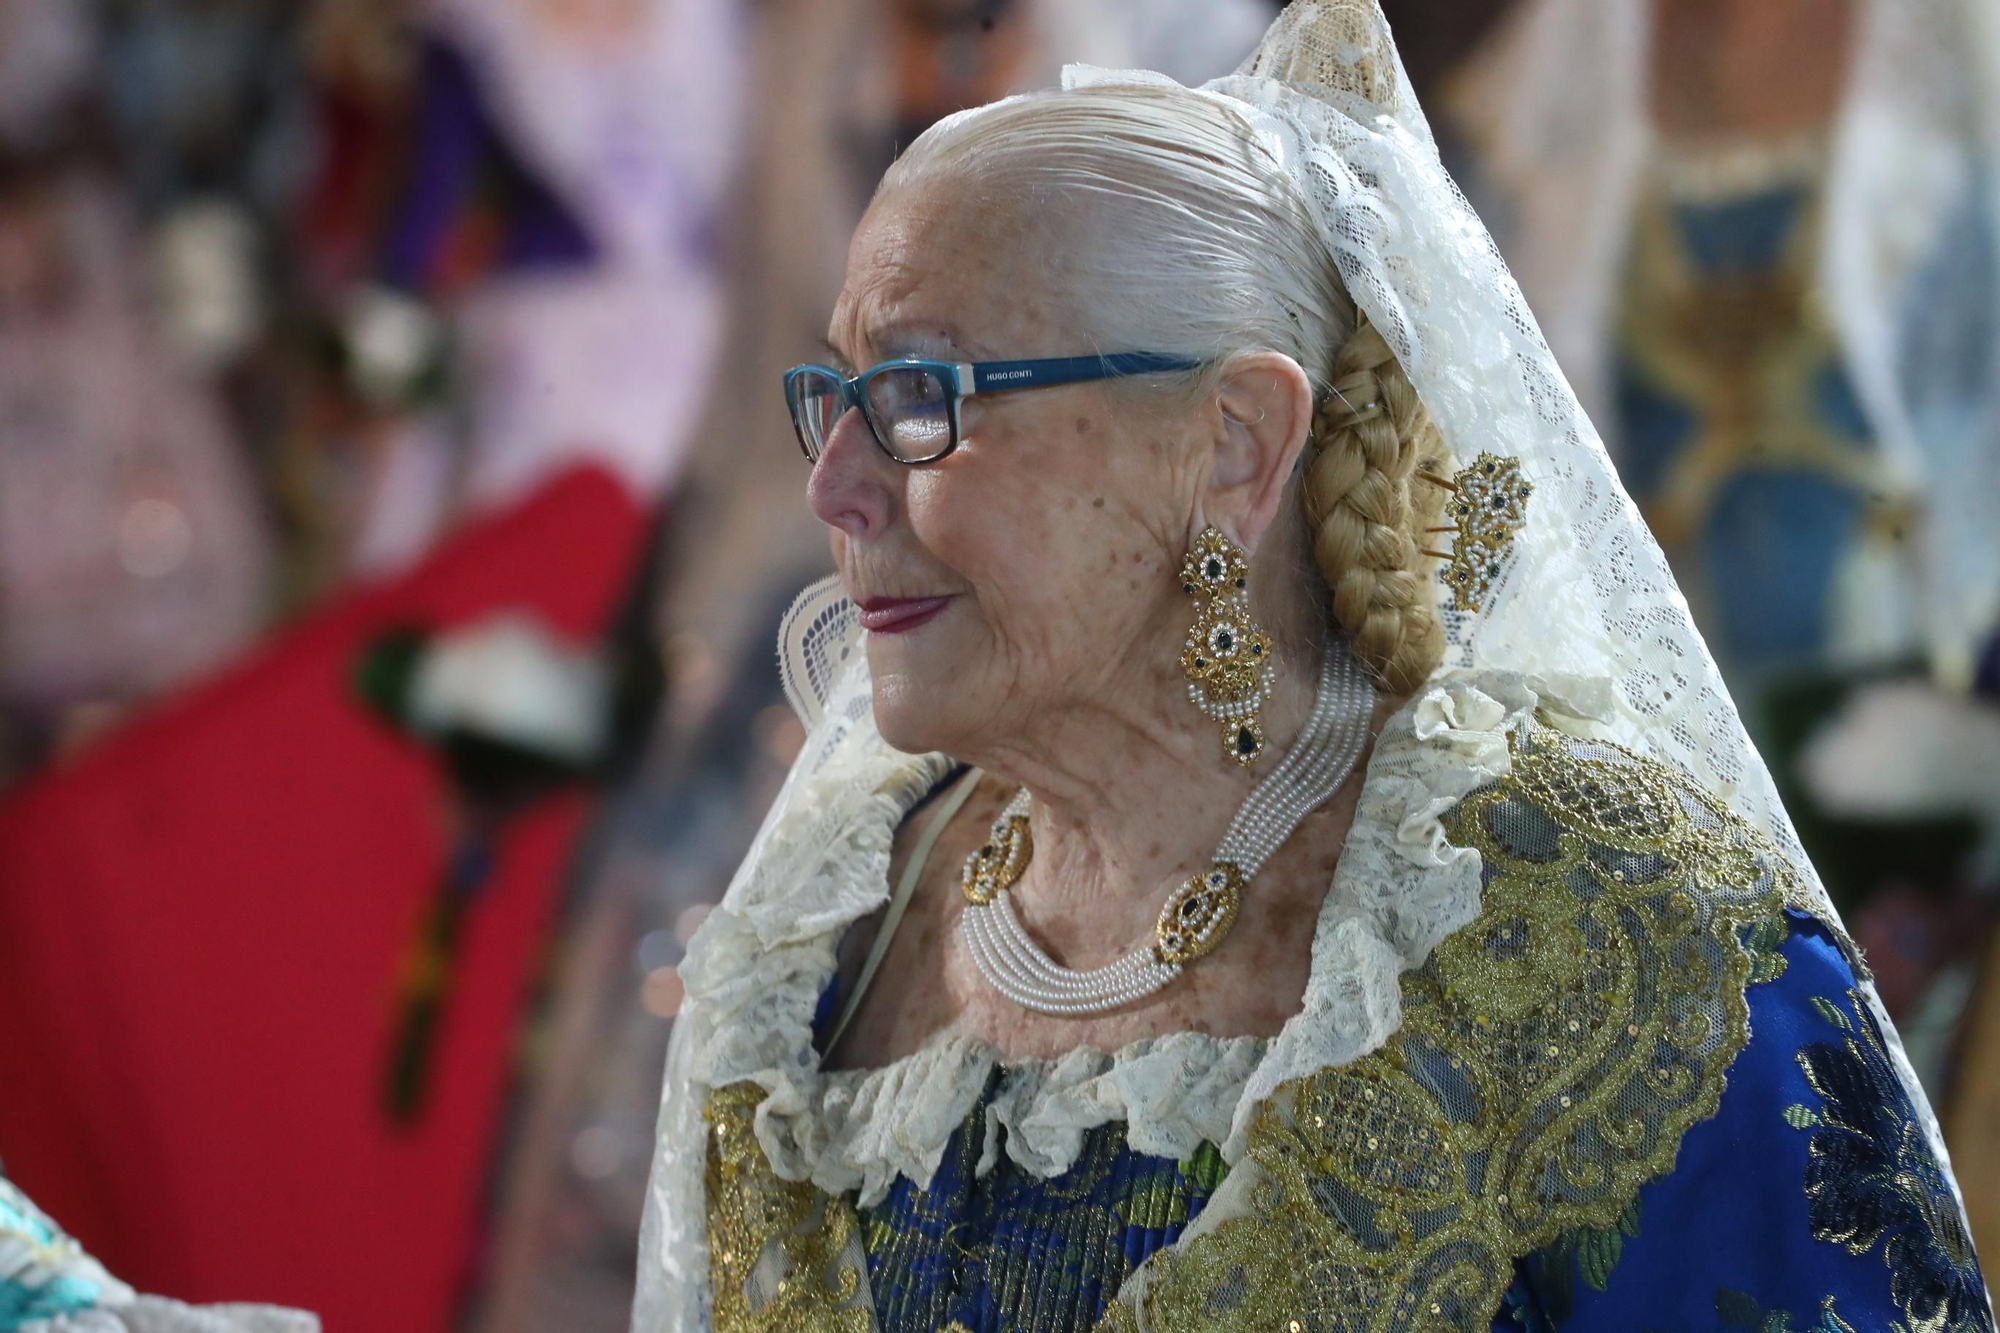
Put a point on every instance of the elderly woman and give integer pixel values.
(1278, 856)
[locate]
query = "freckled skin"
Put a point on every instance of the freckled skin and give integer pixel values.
(1045, 672)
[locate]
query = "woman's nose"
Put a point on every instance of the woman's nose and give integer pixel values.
(852, 483)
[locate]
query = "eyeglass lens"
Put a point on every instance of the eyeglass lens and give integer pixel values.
(912, 412)
(816, 407)
(908, 407)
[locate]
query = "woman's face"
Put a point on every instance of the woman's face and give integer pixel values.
(1034, 569)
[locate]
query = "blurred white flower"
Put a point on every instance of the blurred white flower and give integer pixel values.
(508, 679)
(392, 340)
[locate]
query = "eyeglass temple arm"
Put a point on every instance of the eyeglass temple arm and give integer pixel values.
(989, 376)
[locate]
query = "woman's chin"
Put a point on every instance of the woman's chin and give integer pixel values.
(913, 710)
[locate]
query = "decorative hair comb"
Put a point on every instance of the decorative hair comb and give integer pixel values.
(1489, 505)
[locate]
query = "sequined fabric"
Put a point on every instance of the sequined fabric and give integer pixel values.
(1871, 1182)
(783, 1257)
(1809, 1203)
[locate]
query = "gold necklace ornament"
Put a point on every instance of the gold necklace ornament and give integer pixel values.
(1198, 915)
(1003, 857)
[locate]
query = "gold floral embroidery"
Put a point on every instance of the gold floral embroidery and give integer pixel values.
(1550, 1058)
(1872, 1181)
(783, 1257)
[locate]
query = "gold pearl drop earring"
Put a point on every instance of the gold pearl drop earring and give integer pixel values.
(1227, 659)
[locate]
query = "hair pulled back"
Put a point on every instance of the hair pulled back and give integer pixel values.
(1173, 230)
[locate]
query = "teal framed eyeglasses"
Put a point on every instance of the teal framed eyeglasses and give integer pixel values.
(912, 404)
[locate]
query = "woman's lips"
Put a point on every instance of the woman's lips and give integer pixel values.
(899, 615)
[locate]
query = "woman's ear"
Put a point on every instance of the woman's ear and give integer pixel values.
(1264, 407)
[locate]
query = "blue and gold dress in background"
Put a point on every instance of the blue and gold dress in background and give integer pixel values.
(1741, 436)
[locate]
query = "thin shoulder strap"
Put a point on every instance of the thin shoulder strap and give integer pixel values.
(906, 888)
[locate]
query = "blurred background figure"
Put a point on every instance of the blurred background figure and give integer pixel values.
(132, 553)
(346, 381)
(1765, 234)
(1763, 238)
(388, 403)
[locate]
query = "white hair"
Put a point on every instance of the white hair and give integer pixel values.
(1171, 227)
(1164, 222)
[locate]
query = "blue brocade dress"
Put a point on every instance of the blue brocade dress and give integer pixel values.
(1808, 1202)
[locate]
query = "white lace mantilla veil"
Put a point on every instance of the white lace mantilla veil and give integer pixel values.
(1909, 256)
(1586, 618)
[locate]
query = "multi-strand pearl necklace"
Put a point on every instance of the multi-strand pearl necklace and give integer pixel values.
(1200, 912)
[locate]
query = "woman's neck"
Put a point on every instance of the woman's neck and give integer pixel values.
(1132, 793)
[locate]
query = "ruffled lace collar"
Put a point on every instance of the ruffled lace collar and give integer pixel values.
(758, 966)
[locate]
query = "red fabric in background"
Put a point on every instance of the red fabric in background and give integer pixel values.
(201, 925)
